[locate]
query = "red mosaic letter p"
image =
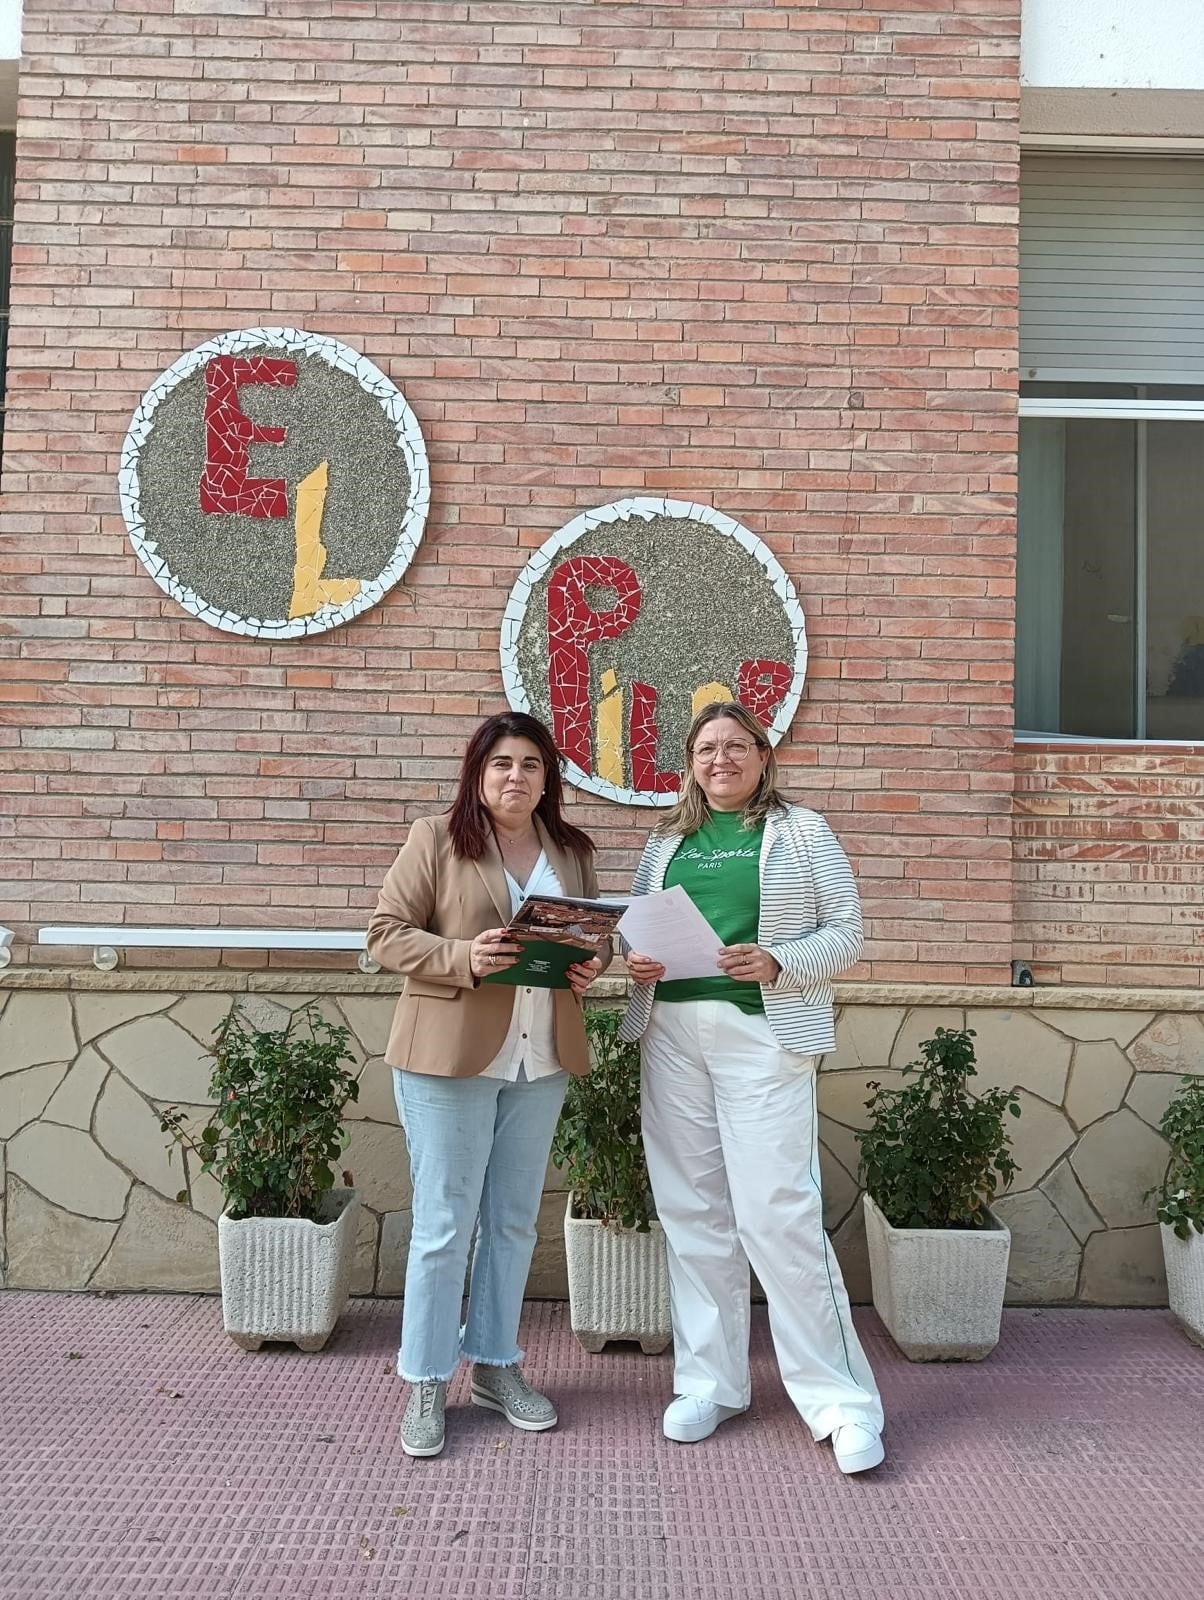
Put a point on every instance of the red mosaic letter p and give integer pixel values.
(573, 625)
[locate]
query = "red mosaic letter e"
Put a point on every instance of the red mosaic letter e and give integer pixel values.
(229, 435)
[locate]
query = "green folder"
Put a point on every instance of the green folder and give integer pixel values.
(572, 919)
(544, 964)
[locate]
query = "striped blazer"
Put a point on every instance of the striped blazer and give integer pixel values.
(809, 920)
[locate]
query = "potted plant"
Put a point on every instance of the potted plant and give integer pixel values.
(1181, 1205)
(617, 1265)
(286, 1235)
(932, 1159)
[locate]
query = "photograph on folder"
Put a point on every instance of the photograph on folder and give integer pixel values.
(557, 931)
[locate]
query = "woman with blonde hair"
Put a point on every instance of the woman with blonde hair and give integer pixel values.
(728, 1083)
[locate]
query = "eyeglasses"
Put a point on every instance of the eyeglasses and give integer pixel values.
(737, 749)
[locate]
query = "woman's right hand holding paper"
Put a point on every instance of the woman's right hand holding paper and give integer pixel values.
(643, 968)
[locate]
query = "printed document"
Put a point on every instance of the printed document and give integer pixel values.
(669, 927)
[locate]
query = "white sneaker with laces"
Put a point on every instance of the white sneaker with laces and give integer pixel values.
(688, 1419)
(857, 1447)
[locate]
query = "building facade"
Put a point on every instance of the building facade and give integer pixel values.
(908, 294)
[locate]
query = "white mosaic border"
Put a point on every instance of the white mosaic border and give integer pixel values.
(624, 511)
(374, 383)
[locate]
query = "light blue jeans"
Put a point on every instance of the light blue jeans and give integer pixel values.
(478, 1153)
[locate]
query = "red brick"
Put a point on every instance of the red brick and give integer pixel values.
(641, 249)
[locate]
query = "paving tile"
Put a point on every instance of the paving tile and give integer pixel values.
(142, 1455)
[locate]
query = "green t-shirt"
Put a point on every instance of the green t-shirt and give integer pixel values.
(718, 869)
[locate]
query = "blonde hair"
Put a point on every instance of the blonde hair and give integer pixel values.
(692, 810)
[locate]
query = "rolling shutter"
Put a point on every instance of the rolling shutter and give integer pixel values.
(1112, 269)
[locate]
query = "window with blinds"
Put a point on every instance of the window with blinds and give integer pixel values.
(1112, 269)
(1110, 560)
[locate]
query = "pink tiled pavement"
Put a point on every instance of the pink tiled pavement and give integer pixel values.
(143, 1457)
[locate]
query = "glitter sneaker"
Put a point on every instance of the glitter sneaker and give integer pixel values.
(422, 1431)
(505, 1389)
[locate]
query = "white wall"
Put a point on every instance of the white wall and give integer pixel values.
(1065, 44)
(10, 30)
(1112, 44)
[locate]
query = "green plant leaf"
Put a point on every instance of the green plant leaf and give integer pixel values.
(598, 1144)
(280, 1096)
(1180, 1195)
(933, 1153)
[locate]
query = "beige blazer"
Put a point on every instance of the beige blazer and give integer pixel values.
(432, 905)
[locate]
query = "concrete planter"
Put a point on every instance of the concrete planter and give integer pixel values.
(618, 1284)
(285, 1278)
(1185, 1279)
(938, 1290)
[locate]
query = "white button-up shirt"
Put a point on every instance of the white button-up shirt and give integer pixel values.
(529, 1048)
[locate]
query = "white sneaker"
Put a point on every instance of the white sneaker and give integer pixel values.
(688, 1419)
(857, 1448)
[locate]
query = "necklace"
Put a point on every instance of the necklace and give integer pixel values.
(512, 841)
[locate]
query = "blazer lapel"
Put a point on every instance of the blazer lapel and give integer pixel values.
(668, 849)
(493, 875)
(768, 840)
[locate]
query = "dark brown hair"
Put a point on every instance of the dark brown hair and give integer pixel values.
(468, 820)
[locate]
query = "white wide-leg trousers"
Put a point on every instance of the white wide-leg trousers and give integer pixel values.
(730, 1130)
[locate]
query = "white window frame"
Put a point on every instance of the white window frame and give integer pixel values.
(1139, 411)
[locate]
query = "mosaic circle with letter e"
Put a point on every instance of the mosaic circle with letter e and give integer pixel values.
(634, 616)
(274, 482)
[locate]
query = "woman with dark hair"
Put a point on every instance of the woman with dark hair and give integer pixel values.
(479, 1070)
(728, 1083)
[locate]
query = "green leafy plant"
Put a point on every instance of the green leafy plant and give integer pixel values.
(276, 1132)
(1181, 1192)
(935, 1155)
(598, 1143)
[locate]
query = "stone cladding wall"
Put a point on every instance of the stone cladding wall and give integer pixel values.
(762, 256)
(88, 1060)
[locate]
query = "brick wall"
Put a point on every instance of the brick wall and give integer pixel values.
(1110, 859)
(763, 255)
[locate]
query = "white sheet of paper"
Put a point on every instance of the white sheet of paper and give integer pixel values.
(669, 927)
